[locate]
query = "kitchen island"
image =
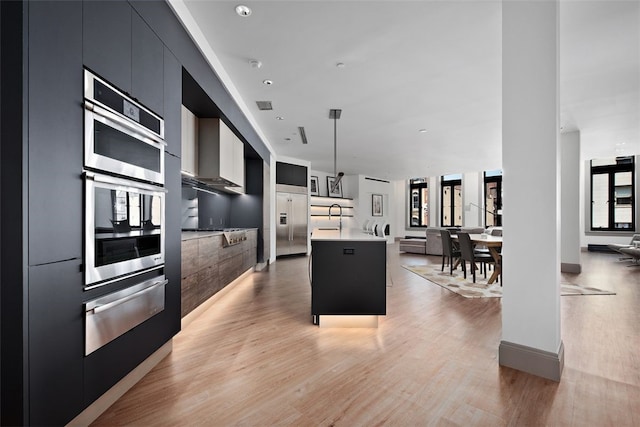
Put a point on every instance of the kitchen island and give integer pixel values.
(348, 278)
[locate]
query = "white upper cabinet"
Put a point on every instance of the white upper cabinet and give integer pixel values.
(189, 160)
(238, 156)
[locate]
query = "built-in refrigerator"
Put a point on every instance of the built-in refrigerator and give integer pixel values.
(292, 224)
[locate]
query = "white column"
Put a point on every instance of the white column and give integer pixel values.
(473, 212)
(570, 205)
(531, 338)
(434, 201)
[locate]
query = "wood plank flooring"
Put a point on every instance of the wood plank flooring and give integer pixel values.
(255, 359)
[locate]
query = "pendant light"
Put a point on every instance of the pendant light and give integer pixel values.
(335, 115)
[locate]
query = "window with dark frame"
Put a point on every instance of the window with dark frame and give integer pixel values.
(451, 201)
(612, 194)
(493, 198)
(418, 202)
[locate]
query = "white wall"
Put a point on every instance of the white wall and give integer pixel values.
(367, 186)
(401, 211)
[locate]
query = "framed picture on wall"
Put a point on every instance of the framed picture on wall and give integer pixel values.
(376, 205)
(313, 186)
(337, 192)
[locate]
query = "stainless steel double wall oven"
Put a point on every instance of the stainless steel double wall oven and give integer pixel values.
(124, 222)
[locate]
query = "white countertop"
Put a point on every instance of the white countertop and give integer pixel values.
(347, 234)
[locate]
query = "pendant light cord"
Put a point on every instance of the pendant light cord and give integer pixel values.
(335, 146)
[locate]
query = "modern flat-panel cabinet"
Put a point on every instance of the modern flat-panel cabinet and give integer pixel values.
(292, 222)
(107, 41)
(348, 277)
(120, 47)
(147, 64)
(189, 149)
(56, 343)
(172, 102)
(55, 131)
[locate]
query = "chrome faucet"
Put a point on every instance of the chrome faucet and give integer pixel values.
(340, 207)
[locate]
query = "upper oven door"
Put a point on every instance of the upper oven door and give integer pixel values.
(124, 228)
(120, 135)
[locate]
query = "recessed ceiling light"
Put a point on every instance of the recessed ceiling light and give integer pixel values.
(255, 63)
(279, 118)
(243, 10)
(422, 131)
(340, 65)
(268, 82)
(287, 139)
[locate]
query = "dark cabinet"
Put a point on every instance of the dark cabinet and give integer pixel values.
(147, 76)
(120, 47)
(172, 102)
(106, 48)
(289, 174)
(55, 131)
(348, 277)
(173, 213)
(55, 343)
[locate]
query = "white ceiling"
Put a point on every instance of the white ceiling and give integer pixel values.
(412, 65)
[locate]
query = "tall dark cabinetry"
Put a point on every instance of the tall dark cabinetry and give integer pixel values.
(55, 343)
(44, 370)
(120, 47)
(141, 48)
(106, 31)
(54, 114)
(147, 69)
(55, 131)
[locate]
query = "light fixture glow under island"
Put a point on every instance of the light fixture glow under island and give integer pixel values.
(348, 277)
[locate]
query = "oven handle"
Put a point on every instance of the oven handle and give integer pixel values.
(105, 179)
(104, 307)
(116, 279)
(90, 106)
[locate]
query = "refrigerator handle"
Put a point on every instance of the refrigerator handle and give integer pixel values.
(291, 223)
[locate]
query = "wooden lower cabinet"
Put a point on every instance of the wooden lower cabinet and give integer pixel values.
(207, 266)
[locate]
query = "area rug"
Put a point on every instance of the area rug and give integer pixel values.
(465, 287)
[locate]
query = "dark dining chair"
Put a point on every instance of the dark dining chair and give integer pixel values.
(448, 250)
(469, 255)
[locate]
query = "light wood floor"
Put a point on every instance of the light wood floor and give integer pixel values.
(255, 359)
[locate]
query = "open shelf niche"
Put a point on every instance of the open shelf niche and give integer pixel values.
(319, 212)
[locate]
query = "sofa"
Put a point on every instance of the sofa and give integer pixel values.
(431, 244)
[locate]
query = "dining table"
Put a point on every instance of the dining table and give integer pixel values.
(494, 244)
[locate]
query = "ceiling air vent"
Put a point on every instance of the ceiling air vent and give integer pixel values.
(264, 105)
(303, 134)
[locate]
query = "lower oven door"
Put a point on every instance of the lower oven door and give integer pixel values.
(114, 314)
(124, 228)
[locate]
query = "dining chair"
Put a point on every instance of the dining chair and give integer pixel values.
(468, 254)
(449, 251)
(483, 250)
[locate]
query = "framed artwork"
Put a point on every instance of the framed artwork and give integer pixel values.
(313, 188)
(376, 205)
(338, 190)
